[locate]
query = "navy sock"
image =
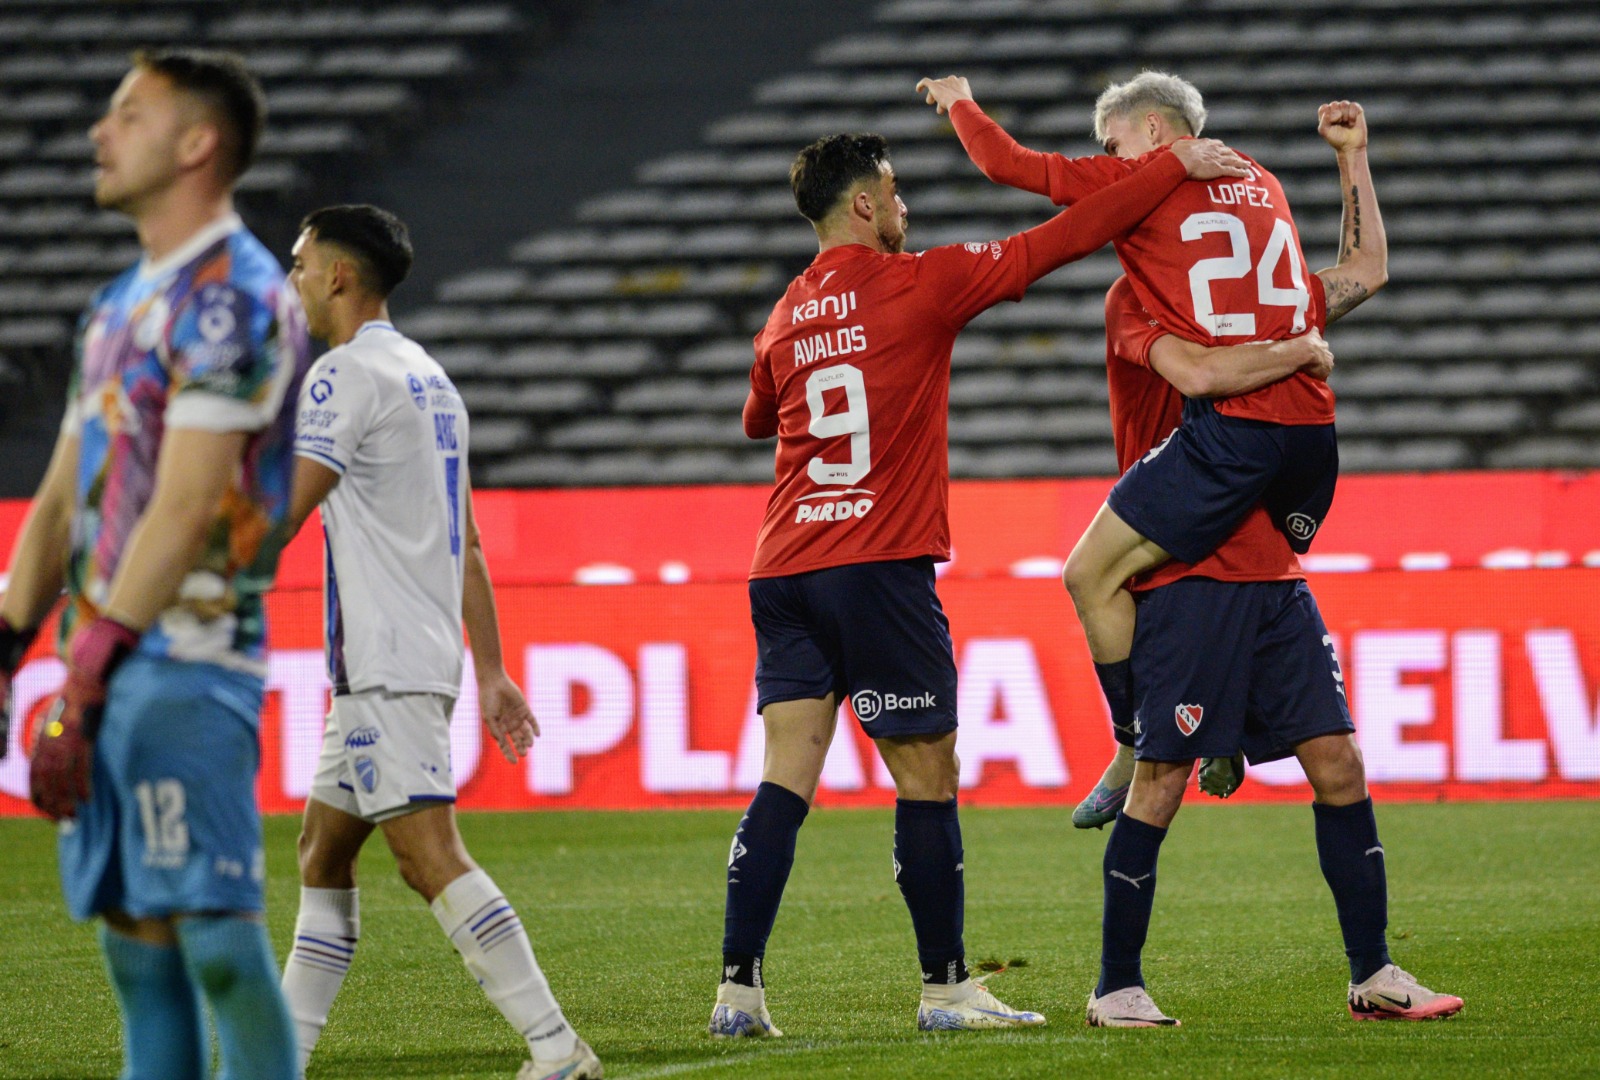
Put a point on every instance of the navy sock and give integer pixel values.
(164, 1030)
(758, 868)
(1352, 863)
(230, 959)
(1116, 680)
(928, 867)
(1130, 888)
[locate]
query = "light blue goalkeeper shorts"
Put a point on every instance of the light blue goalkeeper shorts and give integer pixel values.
(171, 825)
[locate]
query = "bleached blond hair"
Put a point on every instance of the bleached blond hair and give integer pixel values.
(1150, 91)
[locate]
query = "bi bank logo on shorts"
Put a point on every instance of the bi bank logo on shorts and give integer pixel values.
(869, 704)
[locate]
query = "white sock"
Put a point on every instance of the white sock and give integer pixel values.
(487, 933)
(325, 936)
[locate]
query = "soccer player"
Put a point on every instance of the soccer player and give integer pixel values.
(1235, 652)
(381, 445)
(172, 465)
(852, 374)
(1216, 264)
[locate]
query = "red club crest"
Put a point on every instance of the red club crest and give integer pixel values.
(1188, 717)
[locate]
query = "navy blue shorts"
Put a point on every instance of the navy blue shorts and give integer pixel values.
(1221, 666)
(873, 632)
(1191, 492)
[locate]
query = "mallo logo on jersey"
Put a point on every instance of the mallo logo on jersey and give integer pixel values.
(367, 773)
(362, 736)
(978, 247)
(419, 393)
(1188, 718)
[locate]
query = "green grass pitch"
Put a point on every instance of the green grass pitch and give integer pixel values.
(1497, 902)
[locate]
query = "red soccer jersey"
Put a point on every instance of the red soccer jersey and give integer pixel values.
(857, 358)
(1219, 262)
(1144, 410)
(852, 373)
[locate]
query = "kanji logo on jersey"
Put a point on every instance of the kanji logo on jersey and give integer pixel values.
(1188, 718)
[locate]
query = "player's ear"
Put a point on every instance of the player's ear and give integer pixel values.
(198, 142)
(862, 204)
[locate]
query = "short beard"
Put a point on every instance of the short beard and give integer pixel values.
(894, 245)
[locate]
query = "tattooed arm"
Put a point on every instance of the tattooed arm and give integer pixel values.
(1363, 265)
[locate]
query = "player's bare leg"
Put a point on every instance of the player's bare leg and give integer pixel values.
(1352, 861)
(929, 869)
(329, 921)
(1105, 557)
(798, 734)
(1119, 999)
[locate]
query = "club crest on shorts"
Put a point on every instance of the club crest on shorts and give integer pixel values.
(367, 773)
(1188, 717)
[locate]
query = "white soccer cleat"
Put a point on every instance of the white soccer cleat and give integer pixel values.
(968, 1006)
(1129, 1007)
(741, 1012)
(581, 1064)
(1394, 994)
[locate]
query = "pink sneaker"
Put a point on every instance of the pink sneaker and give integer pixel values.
(1394, 994)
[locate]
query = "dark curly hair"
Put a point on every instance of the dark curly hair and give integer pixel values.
(829, 167)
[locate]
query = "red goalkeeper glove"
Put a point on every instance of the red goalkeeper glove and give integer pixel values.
(58, 776)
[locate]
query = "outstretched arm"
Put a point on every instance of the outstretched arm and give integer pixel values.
(1064, 180)
(1101, 217)
(996, 154)
(500, 700)
(1200, 371)
(1363, 266)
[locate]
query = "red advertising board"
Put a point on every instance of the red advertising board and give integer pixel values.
(1475, 681)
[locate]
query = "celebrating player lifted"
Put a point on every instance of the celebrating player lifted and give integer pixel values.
(852, 373)
(1217, 264)
(381, 445)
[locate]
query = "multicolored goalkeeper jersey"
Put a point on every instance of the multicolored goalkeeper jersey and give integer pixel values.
(209, 338)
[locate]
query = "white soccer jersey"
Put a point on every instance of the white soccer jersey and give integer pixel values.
(381, 412)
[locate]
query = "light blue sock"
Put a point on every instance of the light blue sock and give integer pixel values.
(164, 1031)
(230, 959)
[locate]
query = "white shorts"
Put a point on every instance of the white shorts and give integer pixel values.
(385, 754)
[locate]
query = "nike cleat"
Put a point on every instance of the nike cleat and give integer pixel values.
(1129, 1007)
(581, 1064)
(1221, 776)
(968, 1006)
(1394, 994)
(1101, 806)
(741, 1012)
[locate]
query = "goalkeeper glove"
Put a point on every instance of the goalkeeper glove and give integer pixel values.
(58, 776)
